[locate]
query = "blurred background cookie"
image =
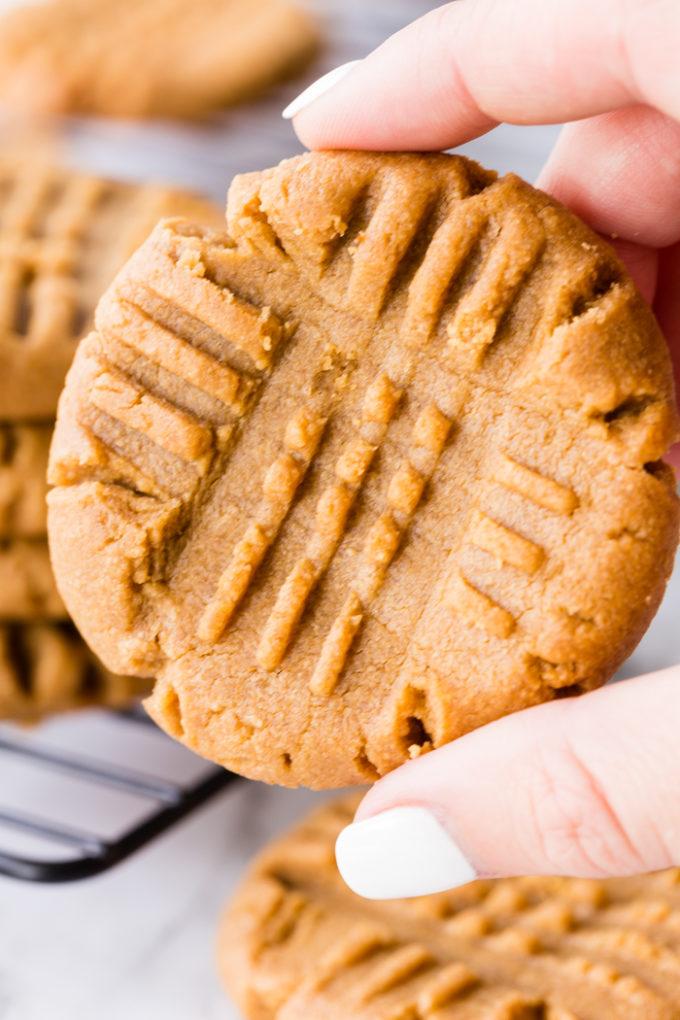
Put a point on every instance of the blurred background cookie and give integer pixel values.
(63, 236)
(296, 944)
(46, 668)
(148, 58)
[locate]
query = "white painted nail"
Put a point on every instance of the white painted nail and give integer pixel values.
(317, 88)
(401, 852)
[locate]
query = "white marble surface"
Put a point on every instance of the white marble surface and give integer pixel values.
(138, 941)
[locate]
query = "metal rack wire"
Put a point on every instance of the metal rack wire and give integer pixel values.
(69, 852)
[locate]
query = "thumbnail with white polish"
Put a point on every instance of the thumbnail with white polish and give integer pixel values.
(317, 88)
(402, 852)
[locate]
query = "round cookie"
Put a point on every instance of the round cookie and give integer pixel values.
(63, 236)
(296, 944)
(376, 467)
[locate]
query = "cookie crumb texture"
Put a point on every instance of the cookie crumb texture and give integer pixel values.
(63, 236)
(148, 58)
(296, 944)
(376, 467)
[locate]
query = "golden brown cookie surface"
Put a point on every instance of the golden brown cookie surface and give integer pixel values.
(136, 58)
(63, 236)
(374, 469)
(296, 944)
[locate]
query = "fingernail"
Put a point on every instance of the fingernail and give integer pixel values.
(317, 88)
(401, 852)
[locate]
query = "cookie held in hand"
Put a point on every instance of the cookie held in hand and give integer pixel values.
(296, 944)
(376, 467)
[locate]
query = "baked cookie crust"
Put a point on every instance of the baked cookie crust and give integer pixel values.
(374, 468)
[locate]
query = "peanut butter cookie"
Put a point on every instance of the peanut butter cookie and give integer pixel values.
(296, 944)
(142, 58)
(376, 467)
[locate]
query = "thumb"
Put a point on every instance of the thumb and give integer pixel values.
(465, 66)
(585, 786)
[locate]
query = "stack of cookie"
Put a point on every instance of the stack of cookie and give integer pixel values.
(62, 238)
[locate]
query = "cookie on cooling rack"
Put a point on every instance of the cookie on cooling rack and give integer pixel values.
(141, 58)
(63, 236)
(296, 944)
(375, 468)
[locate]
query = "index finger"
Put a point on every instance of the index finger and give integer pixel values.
(466, 66)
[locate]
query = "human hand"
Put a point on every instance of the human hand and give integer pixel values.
(587, 786)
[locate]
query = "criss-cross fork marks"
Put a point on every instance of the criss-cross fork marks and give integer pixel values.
(330, 521)
(404, 493)
(302, 435)
(312, 594)
(63, 236)
(505, 545)
(44, 220)
(156, 395)
(511, 256)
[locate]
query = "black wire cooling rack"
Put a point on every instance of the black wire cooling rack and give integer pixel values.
(67, 814)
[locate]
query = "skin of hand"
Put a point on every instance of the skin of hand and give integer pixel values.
(585, 786)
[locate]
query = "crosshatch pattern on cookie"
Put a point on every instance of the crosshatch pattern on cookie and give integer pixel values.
(63, 235)
(373, 458)
(292, 946)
